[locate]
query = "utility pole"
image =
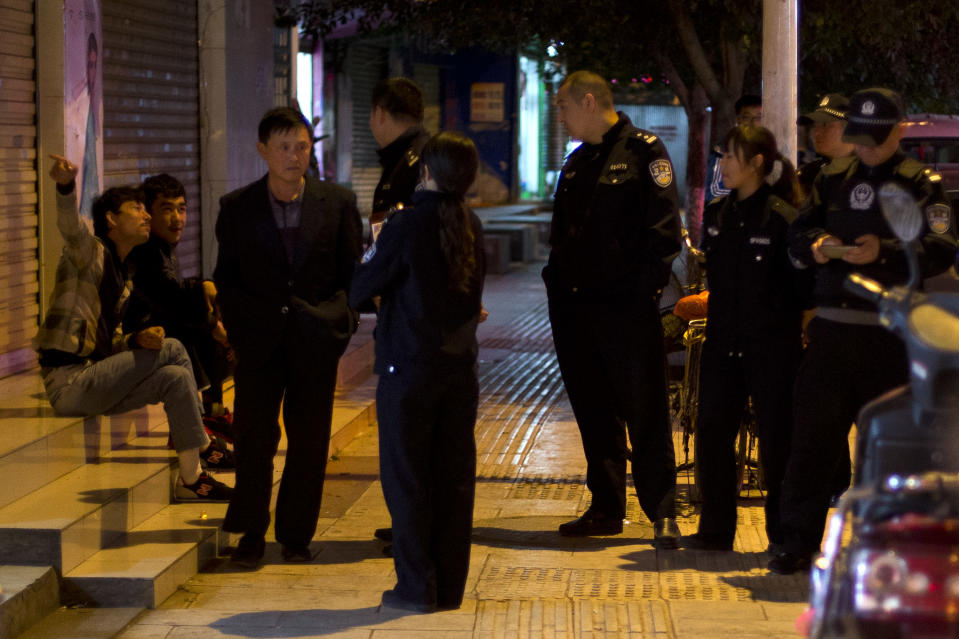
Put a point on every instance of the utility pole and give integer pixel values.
(780, 72)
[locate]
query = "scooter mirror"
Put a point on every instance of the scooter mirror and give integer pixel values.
(901, 211)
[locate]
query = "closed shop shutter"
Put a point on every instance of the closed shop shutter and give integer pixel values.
(365, 65)
(19, 306)
(151, 103)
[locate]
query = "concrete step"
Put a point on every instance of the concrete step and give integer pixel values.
(68, 520)
(38, 446)
(148, 563)
(29, 593)
(83, 623)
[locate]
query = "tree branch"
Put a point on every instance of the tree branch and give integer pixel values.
(694, 49)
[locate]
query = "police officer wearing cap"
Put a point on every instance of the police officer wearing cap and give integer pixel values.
(614, 234)
(828, 121)
(850, 359)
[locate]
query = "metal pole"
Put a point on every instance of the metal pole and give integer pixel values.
(780, 72)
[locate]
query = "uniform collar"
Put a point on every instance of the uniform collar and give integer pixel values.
(392, 152)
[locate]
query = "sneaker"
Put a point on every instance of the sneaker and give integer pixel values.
(220, 427)
(217, 456)
(205, 488)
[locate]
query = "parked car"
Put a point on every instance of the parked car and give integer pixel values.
(934, 140)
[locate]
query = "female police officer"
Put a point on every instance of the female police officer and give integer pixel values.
(427, 266)
(753, 330)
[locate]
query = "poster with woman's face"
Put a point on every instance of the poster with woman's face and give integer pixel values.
(83, 111)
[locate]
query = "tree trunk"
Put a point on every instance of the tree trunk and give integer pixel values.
(696, 154)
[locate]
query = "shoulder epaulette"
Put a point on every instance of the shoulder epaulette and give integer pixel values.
(910, 168)
(782, 208)
(838, 165)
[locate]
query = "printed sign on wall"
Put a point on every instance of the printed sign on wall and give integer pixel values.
(487, 103)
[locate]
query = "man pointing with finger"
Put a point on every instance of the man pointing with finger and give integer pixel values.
(89, 366)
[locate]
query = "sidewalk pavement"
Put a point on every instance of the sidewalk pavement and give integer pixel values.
(525, 580)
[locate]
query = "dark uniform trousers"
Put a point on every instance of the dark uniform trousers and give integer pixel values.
(844, 366)
(612, 361)
(428, 471)
(303, 380)
(764, 371)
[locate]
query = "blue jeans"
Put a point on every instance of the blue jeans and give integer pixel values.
(129, 380)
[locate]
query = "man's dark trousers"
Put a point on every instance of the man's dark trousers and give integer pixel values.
(304, 382)
(612, 362)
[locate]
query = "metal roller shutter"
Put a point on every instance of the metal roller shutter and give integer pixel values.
(151, 103)
(19, 306)
(365, 65)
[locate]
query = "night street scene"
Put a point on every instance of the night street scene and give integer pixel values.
(382, 319)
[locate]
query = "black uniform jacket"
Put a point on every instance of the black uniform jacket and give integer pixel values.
(161, 297)
(755, 294)
(844, 202)
(422, 323)
(615, 228)
(263, 294)
(401, 171)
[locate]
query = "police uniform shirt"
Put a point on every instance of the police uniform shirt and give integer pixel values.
(401, 171)
(752, 284)
(844, 203)
(615, 227)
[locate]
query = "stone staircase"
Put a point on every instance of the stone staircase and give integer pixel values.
(86, 512)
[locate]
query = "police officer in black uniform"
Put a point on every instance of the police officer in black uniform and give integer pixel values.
(753, 330)
(427, 396)
(614, 235)
(850, 359)
(396, 120)
(828, 121)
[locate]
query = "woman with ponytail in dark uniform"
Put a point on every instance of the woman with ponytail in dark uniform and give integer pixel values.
(753, 330)
(427, 267)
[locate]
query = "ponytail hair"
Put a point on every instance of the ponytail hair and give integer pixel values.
(453, 161)
(777, 171)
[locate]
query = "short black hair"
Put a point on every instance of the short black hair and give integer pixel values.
(112, 200)
(163, 185)
(747, 100)
(281, 120)
(400, 97)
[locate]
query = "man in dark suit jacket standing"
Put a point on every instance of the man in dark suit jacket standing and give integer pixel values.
(287, 247)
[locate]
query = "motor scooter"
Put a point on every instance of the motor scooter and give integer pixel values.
(890, 562)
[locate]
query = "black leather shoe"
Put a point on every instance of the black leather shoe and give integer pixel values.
(666, 533)
(296, 554)
(383, 534)
(393, 601)
(787, 563)
(701, 541)
(248, 552)
(592, 522)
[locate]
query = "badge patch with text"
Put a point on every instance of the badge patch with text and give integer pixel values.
(662, 172)
(939, 217)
